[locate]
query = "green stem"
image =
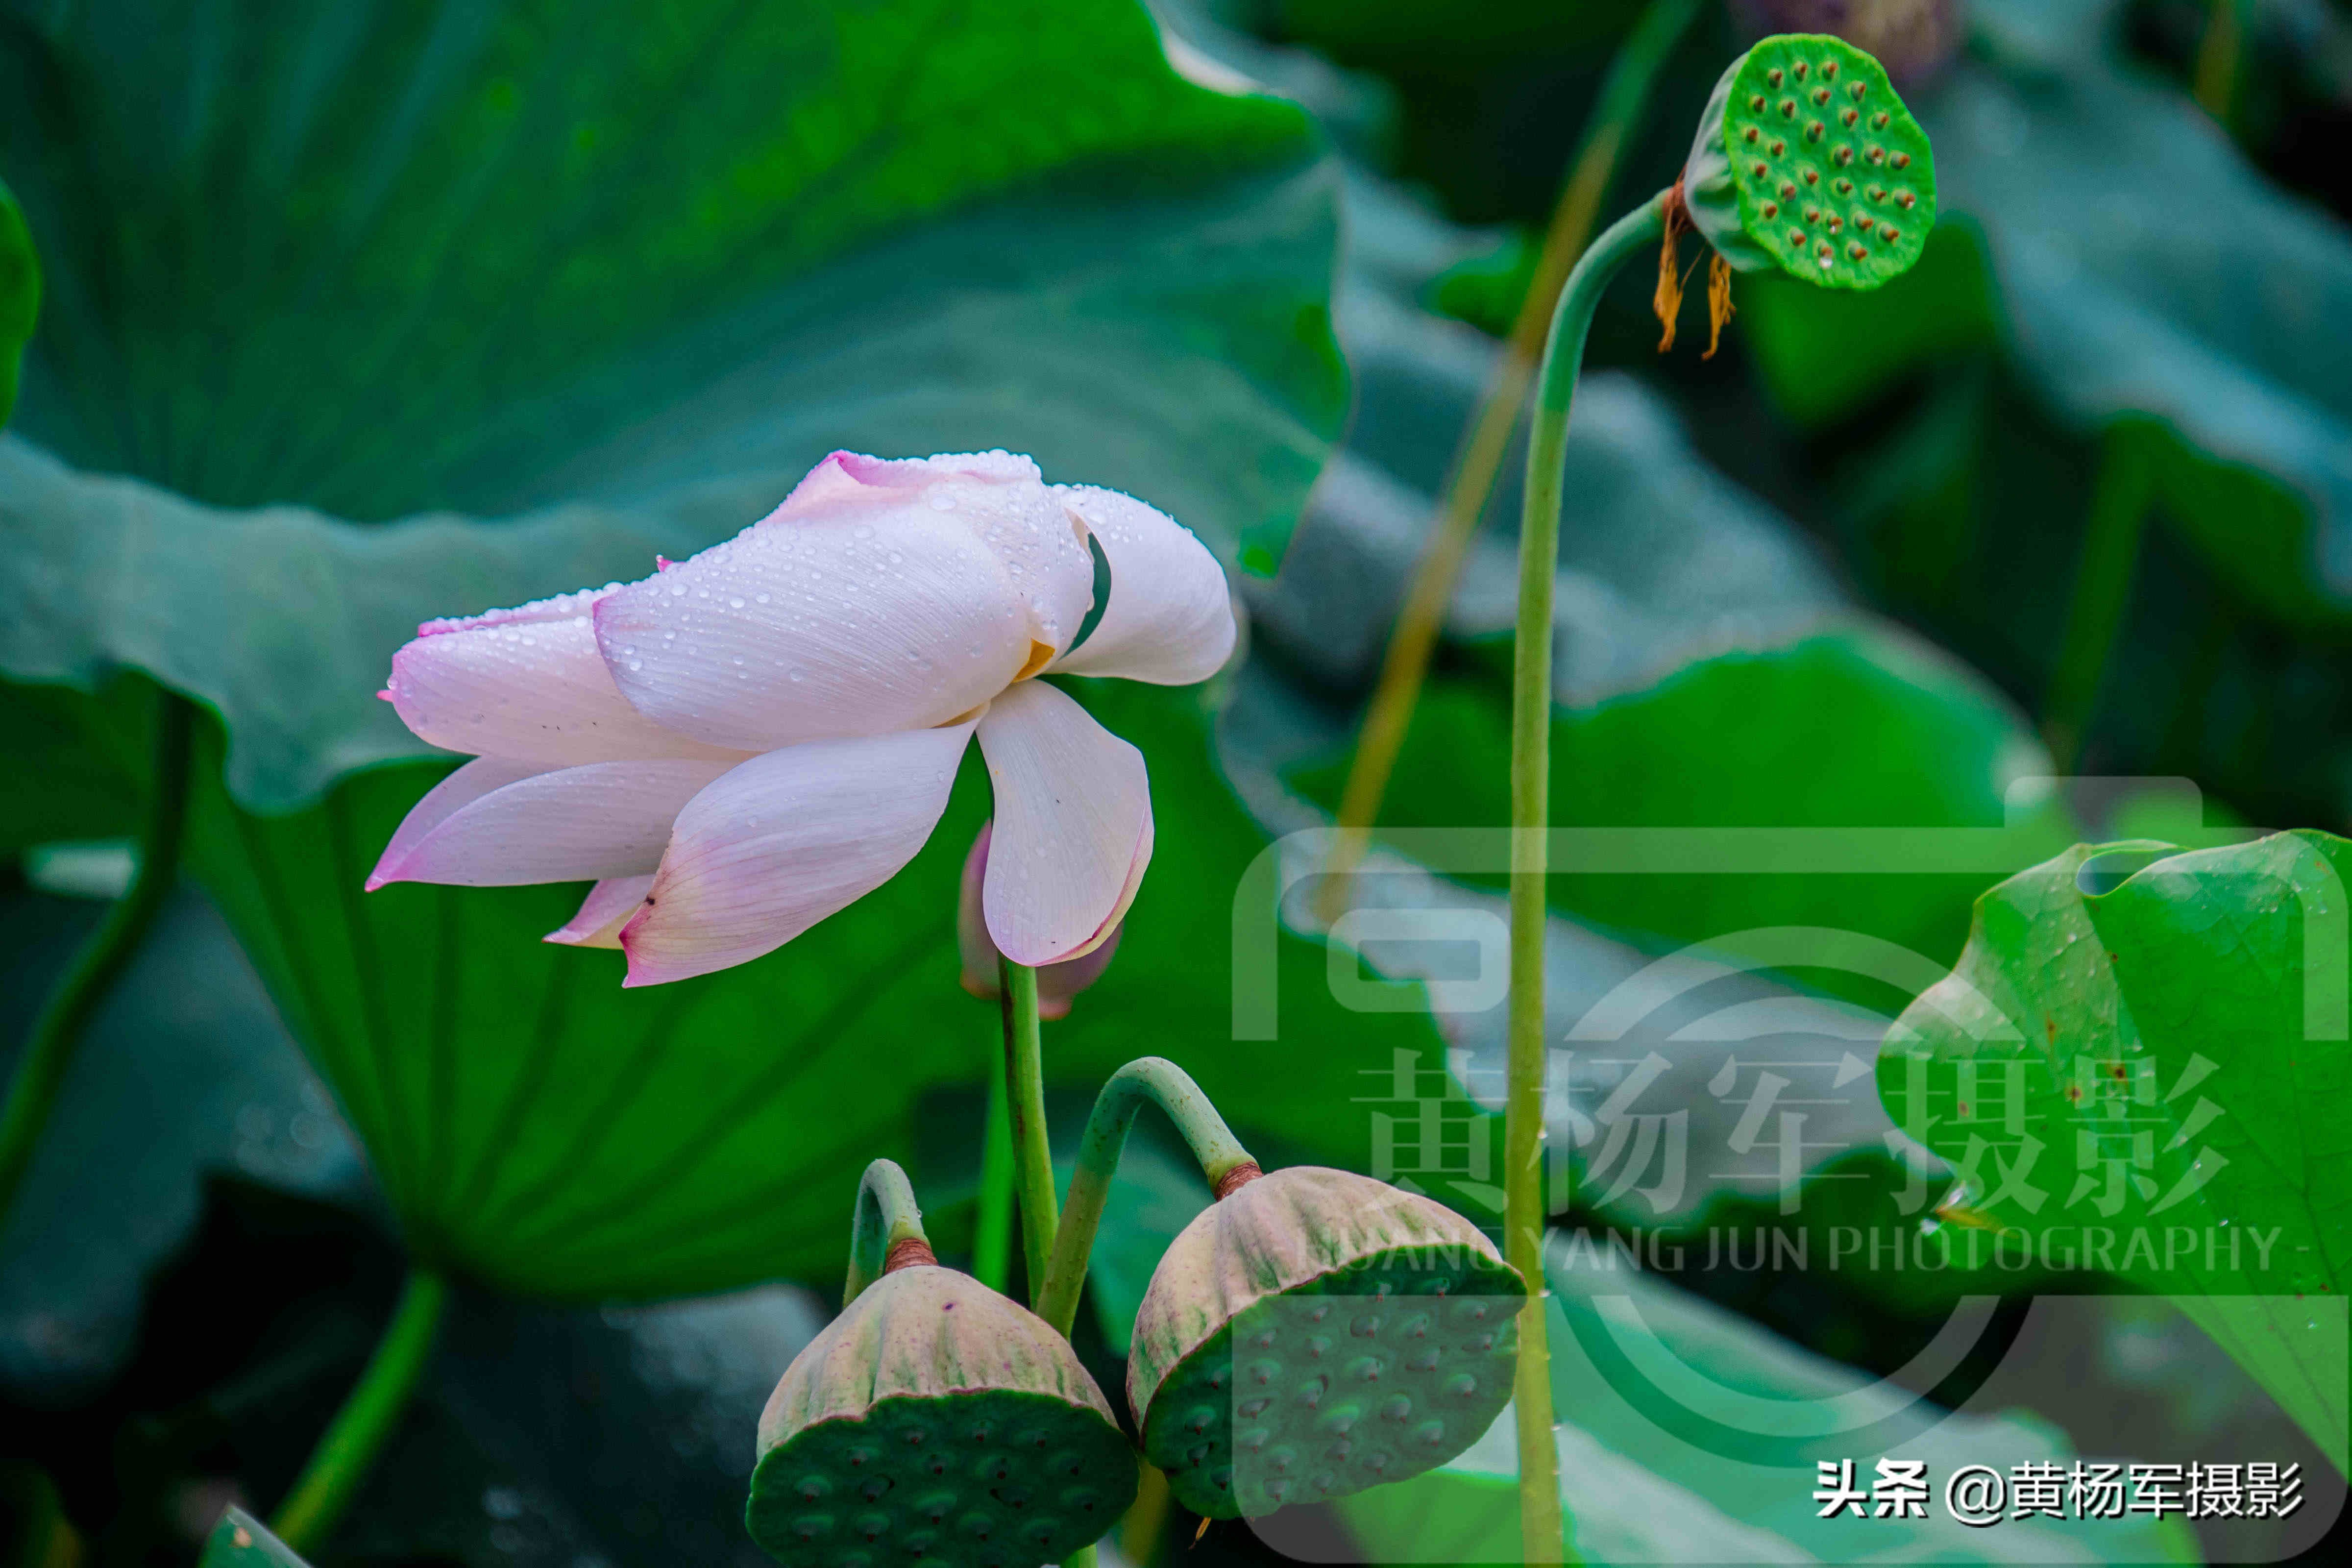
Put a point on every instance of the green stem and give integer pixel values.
(885, 1220)
(1025, 1099)
(1024, 1095)
(2102, 583)
(58, 1033)
(1542, 1530)
(1148, 1080)
(1413, 640)
(991, 1235)
(2220, 56)
(352, 1441)
(1140, 1532)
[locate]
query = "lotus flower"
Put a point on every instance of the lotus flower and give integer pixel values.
(747, 741)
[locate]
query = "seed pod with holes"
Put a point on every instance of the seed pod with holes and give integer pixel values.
(1807, 161)
(1315, 1333)
(935, 1422)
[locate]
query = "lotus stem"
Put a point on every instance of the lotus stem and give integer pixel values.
(991, 1231)
(1147, 1080)
(58, 1033)
(885, 1230)
(356, 1435)
(1624, 96)
(2103, 585)
(1147, 1517)
(1540, 1522)
(2220, 57)
(1024, 1095)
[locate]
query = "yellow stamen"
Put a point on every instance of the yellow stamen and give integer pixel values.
(1719, 301)
(1667, 301)
(1040, 656)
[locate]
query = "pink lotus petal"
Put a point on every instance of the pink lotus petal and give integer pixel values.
(535, 690)
(1170, 621)
(566, 825)
(562, 607)
(603, 913)
(853, 478)
(785, 840)
(899, 618)
(1072, 829)
(443, 801)
(1059, 984)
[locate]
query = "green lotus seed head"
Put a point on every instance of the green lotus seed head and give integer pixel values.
(936, 1422)
(1807, 160)
(1314, 1333)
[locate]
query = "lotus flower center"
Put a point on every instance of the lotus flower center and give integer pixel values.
(1040, 656)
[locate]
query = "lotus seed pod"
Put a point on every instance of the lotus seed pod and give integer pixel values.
(935, 1422)
(1912, 39)
(1316, 1332)
(1806, 160)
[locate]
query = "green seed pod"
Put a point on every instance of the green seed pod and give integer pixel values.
(936, 1422)
(1316, 1332)
(1808, 161)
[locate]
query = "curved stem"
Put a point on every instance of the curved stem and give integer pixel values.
(2103, 585)
(1025, 1094)
(1541, 1525)
(1148, 1080)
(1405, 666)
(991, 1231)
(885, 1229)
(352, 1441)
(57, 1032)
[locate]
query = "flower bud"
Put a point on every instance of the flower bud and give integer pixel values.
(935, 1421)
(1057, 983)
(1316, 1332)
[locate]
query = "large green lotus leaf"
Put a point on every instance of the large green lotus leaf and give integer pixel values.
(283, 619)
(185, 1072)
(20, 295)
(543, 1131)
(241, 1541)
(2165, 1060)
(1855, 726)
(78, 763)
(2137, 265)
(1690, 1434)
(379, 259)
(616, 278)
